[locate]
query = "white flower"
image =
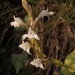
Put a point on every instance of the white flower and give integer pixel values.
(37, 63)
(17, 22)
(31, 34)
(25, 46)
(44, 13)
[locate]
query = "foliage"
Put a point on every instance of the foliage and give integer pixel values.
(19, 60)
(69, 61)
(2, 50)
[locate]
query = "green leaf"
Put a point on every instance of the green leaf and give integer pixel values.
(26, 19)
(70, 60)
(2, 50)
(69, 66)
(20, 29)
(65, 71)
(19, 60)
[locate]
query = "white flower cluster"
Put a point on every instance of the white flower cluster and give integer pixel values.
(31, 35)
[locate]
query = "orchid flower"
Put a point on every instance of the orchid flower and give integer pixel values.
(31, 34)
(44, 13)
(17, 22)
(37, 63)
(25, 46)
(14, 23)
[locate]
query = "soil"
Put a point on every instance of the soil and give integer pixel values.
(58, 38)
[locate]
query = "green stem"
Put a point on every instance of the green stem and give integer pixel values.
(58, 63)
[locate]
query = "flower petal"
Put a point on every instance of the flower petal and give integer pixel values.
(18, 20)
(28, 51)
(50, 13)
(15, 24)
(36, 37)
(41, 66)
(24, 36)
